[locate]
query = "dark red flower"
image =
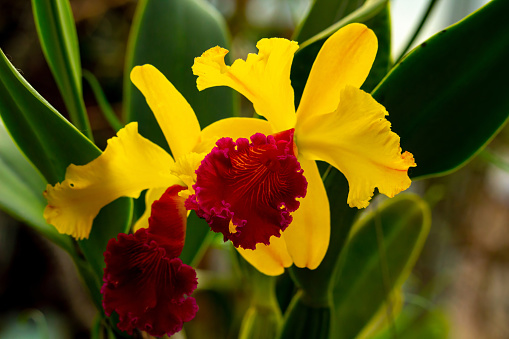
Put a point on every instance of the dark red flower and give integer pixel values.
(252, 185)
(144, 280)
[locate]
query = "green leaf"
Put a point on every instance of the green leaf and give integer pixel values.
(378, 257)
(169, 35)
(306, 54)
(59, 42)
(51, 143)
(448, 98)
(415, 322)
(43, 135)
(22, 186)
(323, 14)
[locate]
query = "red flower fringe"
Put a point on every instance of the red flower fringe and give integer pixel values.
(144, 281)
(252, 185)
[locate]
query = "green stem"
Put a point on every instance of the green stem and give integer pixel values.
(103, 103)
(263, 318)
(313, 303)
(303, 321)
(424, 18)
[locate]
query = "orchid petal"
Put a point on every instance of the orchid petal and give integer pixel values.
(264, 78)
(269, 259)
(357, 140)
(307, 238)
(345, 59)
(129, 165)
(173, 113)
(232, 128)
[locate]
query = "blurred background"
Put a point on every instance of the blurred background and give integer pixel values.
(461, 275)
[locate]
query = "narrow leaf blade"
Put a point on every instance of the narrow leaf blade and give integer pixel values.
(59, 42)
(22, 188)
(51, 143)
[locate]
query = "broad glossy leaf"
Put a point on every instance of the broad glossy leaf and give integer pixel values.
(59, 42)
(308, 50)
(322, 14)
(377, 261)
(448, 97)
(51, 143)
(22, 186)
(169, 35)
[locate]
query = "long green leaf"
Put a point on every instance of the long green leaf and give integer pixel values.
(59, 42)
(448, 97)
(21, 186)
(51, 143)
(380, 253)
(169, 35)
(43, 135)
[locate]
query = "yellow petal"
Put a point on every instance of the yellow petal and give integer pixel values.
(307, 237)
(233, 128)
(271, 259)
(185, 168)
(129, 165)
(345, 59)
(358, 141)
(264, 78)
(152, 195)
(173, 113)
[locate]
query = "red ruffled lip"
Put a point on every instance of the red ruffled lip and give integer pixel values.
(144, 281)
(253, 185)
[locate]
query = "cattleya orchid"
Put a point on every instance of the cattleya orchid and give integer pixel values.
(146, 263)
(335, 122)
(245, 189)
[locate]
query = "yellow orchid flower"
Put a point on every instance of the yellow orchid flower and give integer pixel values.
(351, 134)
(132, 163)
(335, 122)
